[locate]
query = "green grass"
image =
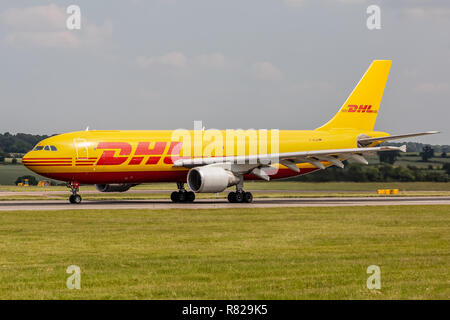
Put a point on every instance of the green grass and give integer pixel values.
(283, 253)
(280, 185)
(257, 195)
(347, 186)
(9, 173)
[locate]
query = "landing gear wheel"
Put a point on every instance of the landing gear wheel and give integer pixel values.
(182, 196)
(75, 199)
(248, 197)
(232, 197)
(190, 196)
(175, 196)
(239, 196)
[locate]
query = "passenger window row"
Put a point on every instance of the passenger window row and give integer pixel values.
(46, 148)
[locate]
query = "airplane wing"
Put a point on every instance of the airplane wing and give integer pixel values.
(367, 141)
(257, 164)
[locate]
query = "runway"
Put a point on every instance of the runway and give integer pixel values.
(221, 204)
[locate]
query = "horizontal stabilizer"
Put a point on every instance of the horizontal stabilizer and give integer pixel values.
(367, 141)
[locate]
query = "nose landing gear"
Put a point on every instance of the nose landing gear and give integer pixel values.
(74, 198)
(182, 195)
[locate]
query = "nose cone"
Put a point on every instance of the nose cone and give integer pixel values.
(27, 161)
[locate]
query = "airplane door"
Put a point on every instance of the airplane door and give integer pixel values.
(81, 148)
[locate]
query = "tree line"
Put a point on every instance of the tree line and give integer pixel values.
(19, 143)
(383, 172)
(418, 147)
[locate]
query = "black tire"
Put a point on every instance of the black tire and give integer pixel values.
(232, 197)
(239, 197)
(248, 197)
(175, 197)
(190, 196)
(77, 199)
(182, 196)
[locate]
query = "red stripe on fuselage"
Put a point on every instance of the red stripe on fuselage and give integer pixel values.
(47, 165)
(26, 159)
(148, 176)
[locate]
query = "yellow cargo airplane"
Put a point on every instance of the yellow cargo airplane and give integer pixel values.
(115, 161)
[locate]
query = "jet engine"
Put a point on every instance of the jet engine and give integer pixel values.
(119, 187)
(210, 179)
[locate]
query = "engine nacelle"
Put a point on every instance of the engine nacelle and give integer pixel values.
(210, 179)
(120, 187)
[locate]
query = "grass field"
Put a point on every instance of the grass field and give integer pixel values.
(285, 189)
(221, 196)
(284, 253)
(277, 185)
(9, 173)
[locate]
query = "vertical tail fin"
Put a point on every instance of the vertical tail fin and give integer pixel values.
(361, 108)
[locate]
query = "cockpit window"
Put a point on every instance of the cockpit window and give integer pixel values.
(46, 148)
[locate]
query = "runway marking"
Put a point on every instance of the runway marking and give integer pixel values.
(220, 204)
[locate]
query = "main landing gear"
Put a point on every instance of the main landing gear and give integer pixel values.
(74, 197)
(240, 195)
(182, 195)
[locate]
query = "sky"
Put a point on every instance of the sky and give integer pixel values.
(161, 64)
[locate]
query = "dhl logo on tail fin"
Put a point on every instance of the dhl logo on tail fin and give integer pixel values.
(360, 110)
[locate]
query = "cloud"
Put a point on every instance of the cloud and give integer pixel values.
(213, 60)
(179, 59)
(430, 87)
(43, 39)
(174, 59)
(45, 26)
(266, 71)
(39, 18)
(432, 13)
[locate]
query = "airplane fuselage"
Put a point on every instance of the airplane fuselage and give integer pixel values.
(132, 156)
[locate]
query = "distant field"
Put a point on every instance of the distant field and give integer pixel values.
(347, 186)
(9, 173)
(307, 188)
(413, 159)
(283, 253)
(293, 186)
(221, 196)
